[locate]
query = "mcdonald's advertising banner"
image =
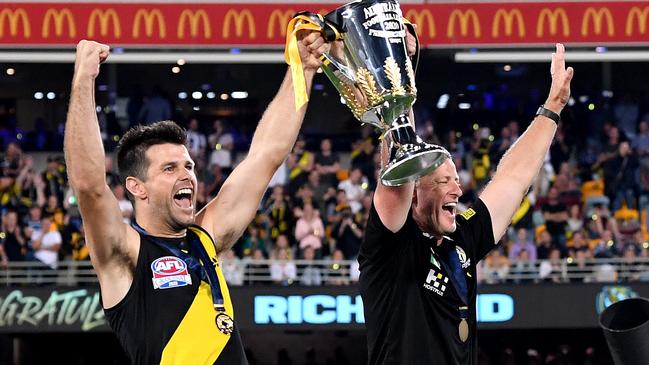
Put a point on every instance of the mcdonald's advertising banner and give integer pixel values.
(263, 308)
(51, 24)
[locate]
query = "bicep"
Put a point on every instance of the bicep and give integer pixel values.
(228, 215)
(102, 221)
(501, 202)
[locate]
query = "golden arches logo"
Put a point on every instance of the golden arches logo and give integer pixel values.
(281, 18)
(552, 17)
(14, 17)
(238, 17)
(59, 16)
(421, 18)
(150, 18)
(641, 16)
(195, 19)
(464, 17)
(597, 16)
(509, 16)
(104, 16)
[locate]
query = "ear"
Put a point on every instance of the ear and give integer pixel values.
(414, 196)
(136, 188)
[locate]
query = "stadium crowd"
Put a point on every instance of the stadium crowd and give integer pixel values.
(590, 199)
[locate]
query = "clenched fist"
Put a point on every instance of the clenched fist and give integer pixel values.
(89, 55)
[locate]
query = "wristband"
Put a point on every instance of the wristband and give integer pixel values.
(548, 113)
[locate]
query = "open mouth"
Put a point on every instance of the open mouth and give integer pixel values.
(450, 208)
(183, 198)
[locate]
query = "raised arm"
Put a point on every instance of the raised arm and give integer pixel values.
(84, 156)
(228, 215)
(522, 162)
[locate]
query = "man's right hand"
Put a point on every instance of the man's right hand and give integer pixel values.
(89, 55)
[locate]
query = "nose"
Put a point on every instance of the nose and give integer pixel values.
(457, 189)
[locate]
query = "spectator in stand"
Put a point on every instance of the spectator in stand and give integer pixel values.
(13, 242)
(338, 273)
(501, 145)
(54, 178)
(280, 213)
(125, 205)
(31, 186)
(355, 188)
(455, 146)
(233, 269)
(578, 243)
(156, 107)
(575, 220)
(555, 214)
(13, 160)
(222, 142)
(521, 243)
(552, 269)
(282, 269)
(9, 192)
(300, 163)
(196, 143)
(46, 245)
(327, 163)
(523, 269)
(310, 273)
(349, 234)
(78, 244)
(258, 269)
(252, 242)
(496, 267)
(309, 229)
(605, 248)
(319, 190)
(619, 177)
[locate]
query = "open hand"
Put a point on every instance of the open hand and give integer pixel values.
(89, 55)
(561, 77)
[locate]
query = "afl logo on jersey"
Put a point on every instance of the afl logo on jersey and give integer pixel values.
(170, 272)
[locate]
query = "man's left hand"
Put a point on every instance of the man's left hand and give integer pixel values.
(561, 77)
(311, 45)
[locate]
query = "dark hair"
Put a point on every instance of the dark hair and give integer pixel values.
(131, 158)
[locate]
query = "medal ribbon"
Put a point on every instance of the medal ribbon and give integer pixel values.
(459, 281)
(206, 272)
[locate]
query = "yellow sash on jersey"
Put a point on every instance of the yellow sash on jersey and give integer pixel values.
(197, 340)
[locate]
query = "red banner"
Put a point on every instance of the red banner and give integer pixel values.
(254, 25)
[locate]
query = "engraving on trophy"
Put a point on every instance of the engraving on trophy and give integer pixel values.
(368, 84)
(393, 72)
(411, 77)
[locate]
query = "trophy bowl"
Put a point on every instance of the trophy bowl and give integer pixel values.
(369, 65)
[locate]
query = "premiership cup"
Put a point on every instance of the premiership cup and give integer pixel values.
(369, 65)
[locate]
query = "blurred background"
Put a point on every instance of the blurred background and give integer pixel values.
(578, 243)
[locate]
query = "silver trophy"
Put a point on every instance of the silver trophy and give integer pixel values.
(369, 65)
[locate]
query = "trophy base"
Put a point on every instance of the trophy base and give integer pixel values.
(412, 162)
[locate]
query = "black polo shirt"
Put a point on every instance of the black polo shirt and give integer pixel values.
(411, 306)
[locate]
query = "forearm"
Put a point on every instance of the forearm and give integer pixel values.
(522, 162)
(84, 152)
(279, 126)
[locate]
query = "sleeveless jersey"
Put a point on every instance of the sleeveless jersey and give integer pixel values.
(168, 317)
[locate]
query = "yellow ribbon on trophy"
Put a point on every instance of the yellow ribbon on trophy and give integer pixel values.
(292, 55)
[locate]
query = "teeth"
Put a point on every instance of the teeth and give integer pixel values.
(450, 205)
(184, 191)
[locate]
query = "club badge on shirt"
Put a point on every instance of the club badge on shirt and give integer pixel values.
(170, 272)
(462, 257)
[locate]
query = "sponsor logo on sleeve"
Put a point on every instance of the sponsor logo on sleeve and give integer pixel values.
(170, 272)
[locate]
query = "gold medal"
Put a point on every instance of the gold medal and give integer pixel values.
(224, 323)
(463, 330)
